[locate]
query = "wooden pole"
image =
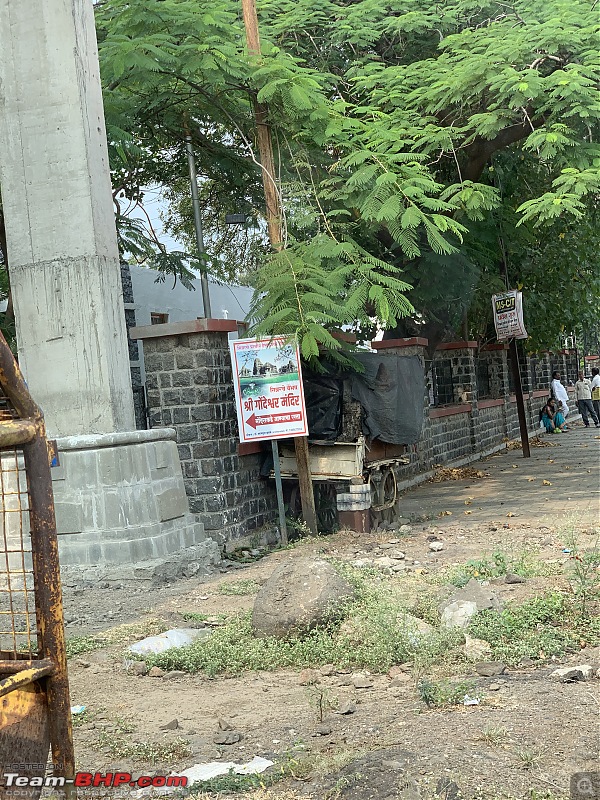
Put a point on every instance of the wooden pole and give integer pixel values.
(274, 213)
(516, 373)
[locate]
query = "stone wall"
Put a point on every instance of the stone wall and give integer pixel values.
(190, 388)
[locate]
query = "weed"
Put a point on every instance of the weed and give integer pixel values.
(496, 565)
(118, 746)
(538, 629)
(77, 645)
(373, 637)
(239, 588)
(322, 700)
(584, 574)
(440, 694)
(528, 757)
(494, 736)
(121, 634)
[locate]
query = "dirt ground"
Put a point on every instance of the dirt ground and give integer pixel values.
(525, 739)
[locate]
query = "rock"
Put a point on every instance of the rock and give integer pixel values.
(404, 528)
(419, 625)
(298, 596)
(397, 670)
(583, 672)
(397, 555)
(458, 609)
(81, 662)
(175, 674)
(308, 677)
(400, 681)
(361, 682)
(138, 668)
(156, 672)
(489, 668)
(228, 737)
(494, 687)
(458, 614)
(347, 708)
(170, 726)
(327, 670)
(510, 577)
(436, 546)
(225, 725)
(476, 649)
(323, 730)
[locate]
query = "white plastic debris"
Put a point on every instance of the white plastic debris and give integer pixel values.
(77, 710)
(177, 637)
(204, 772)
(470, 701)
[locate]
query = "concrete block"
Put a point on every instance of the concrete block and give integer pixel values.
(69, 517)
(171, 504)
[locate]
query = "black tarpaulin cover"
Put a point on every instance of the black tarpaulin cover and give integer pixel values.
(391, 391)
(323, 398)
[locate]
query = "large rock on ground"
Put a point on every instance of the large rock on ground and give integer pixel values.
(299, 596)
(458, 609)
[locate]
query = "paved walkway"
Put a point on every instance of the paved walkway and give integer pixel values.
(516, 485)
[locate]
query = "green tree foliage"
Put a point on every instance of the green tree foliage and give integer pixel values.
(445, 147)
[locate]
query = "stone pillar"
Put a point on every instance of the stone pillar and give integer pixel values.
(190, 388)
(57, 202)
(118, 492)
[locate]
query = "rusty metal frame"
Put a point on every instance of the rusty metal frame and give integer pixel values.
(25, 676)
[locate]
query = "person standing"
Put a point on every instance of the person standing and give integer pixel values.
(596, 390)
(583, 397)
(559, 393)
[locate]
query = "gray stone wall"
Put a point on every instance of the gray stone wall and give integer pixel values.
(190, 388)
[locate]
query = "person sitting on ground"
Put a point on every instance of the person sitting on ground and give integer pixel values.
(560, 394)
(553, 420)
(583, 396)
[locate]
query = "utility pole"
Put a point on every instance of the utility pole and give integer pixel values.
(198, 222)
(274, 214)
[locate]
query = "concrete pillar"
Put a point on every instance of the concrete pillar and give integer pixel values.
(57, 202)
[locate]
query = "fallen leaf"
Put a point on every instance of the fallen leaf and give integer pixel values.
(445, 514)
(467, 502)
(468, 512)
(530, 479)
(510, 514)
(514, 466)
(551, 461)
(546, 483)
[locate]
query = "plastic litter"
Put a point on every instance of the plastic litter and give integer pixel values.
(177, 637)
(77, 709)
(204, 772)
(470, 701)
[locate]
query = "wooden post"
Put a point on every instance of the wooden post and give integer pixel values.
(273, 207)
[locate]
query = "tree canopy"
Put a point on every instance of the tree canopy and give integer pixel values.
(428, 155)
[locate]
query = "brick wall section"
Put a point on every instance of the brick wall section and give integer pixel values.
(190, 388)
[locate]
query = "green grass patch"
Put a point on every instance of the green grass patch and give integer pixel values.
(371, 633)
(441, 694)
(539, 628)
(118, 746)
(121, 634)
(526, 564)
(239, 588)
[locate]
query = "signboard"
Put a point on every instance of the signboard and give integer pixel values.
(268, 389)
(508, 316)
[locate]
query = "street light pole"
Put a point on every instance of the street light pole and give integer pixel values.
(198, 224)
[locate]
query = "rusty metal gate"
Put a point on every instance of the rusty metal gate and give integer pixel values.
(34, 692)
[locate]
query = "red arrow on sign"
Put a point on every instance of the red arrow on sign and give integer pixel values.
(273, 419)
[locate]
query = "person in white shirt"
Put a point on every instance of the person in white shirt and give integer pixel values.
(596, 385)
(559, 393)
(583, 396)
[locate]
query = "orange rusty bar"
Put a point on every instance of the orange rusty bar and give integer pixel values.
(11, 666)
(25, 677)
(16, 431)
(46, 570)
